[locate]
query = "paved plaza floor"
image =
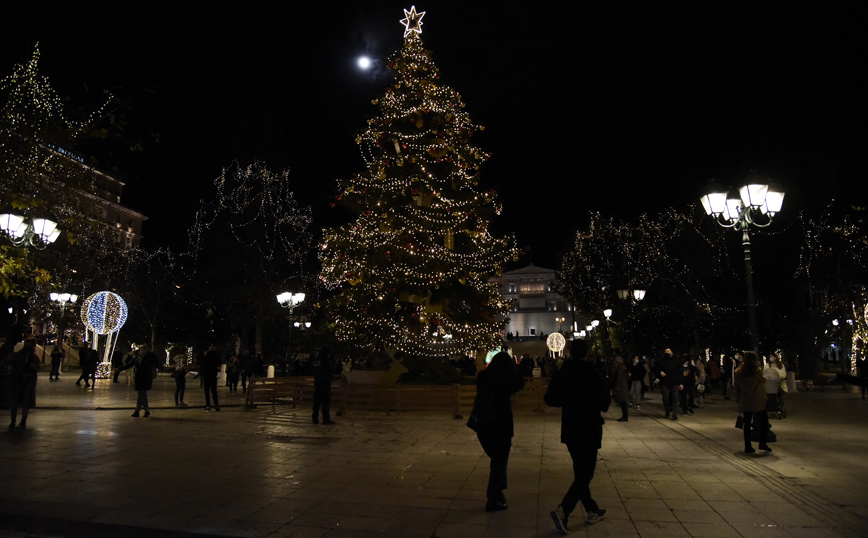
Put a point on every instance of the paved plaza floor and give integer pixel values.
(84, 467)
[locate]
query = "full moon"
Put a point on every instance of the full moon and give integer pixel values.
(364, 62)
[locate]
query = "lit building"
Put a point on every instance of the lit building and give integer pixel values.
(537, 308)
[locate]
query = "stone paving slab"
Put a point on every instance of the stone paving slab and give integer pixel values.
(85, 467)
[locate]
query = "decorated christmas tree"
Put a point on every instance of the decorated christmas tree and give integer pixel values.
(411, 272)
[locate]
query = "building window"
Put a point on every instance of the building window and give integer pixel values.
(512, 287)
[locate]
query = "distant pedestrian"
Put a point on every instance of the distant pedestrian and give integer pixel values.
(22, 365)
(180, 377)
(636, 375)
(580, 391)
(323, 367)
(248, 366)
(618, 385)
(144, 372)
(87, 358)
(671, 376)
(56, 358)
(748, 388)
(233, 372)
(494, 428)
(208, 369)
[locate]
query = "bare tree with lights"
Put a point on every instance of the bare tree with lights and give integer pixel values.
(245, 246)
(411, 272)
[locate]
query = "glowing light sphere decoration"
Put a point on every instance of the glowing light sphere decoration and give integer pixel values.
(104, 313)
(556, 342)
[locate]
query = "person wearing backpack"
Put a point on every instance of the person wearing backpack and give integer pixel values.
(492, 420)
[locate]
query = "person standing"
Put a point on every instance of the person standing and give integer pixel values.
(23, 365)
(144, 372)
(56, 358)
(618, 384)
(748, 387)
(580, 391)
(494, 386)
(233, 371)
(208, 369)
(637, 375)
(247, 369)
(323, 372)
(180, 377)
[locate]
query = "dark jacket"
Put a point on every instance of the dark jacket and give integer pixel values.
(210, 364)
(143, 372)
(671, 366)
(503, 384)
(580, 391)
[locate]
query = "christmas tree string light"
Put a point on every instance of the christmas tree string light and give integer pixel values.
(411, 272)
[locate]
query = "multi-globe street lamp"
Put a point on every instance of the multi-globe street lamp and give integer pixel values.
(755, 204)
(289, 301)
(63, 299)
(25, 232)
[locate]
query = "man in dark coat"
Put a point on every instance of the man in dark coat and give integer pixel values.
(580, 391)
(671, 377)
(208, 369)
(323, 368)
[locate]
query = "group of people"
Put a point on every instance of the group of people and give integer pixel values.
(580, 390)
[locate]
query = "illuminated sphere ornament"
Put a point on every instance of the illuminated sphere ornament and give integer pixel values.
(556, 342)
(104, 312)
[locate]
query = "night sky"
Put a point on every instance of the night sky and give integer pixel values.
(621, 108)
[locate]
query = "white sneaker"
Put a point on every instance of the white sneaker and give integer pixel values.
(594, 517)
(560, 519)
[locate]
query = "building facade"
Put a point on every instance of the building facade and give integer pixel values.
(537, 309)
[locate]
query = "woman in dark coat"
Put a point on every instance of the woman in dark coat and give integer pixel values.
(748, 386)
(144, 371)
(618, 385)
(500, 379)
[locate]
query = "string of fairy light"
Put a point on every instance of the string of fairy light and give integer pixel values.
(412, 268)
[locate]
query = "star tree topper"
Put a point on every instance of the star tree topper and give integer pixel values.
(412, 21)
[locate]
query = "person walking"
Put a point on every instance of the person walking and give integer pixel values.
(23, 365)
(323, 372)
(618, 385)
(580, 391)
(144, 372)
(748, 387)
(493, 423)
(670, 374)
(87, 361)
(208, 369)
(636, 374)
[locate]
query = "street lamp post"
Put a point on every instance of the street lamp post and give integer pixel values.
(635, 297)
(289, 301)
(62, 299)
(754, 205)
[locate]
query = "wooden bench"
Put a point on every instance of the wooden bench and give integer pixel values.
(456, 399)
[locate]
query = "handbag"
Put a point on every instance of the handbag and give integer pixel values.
(739, 422)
